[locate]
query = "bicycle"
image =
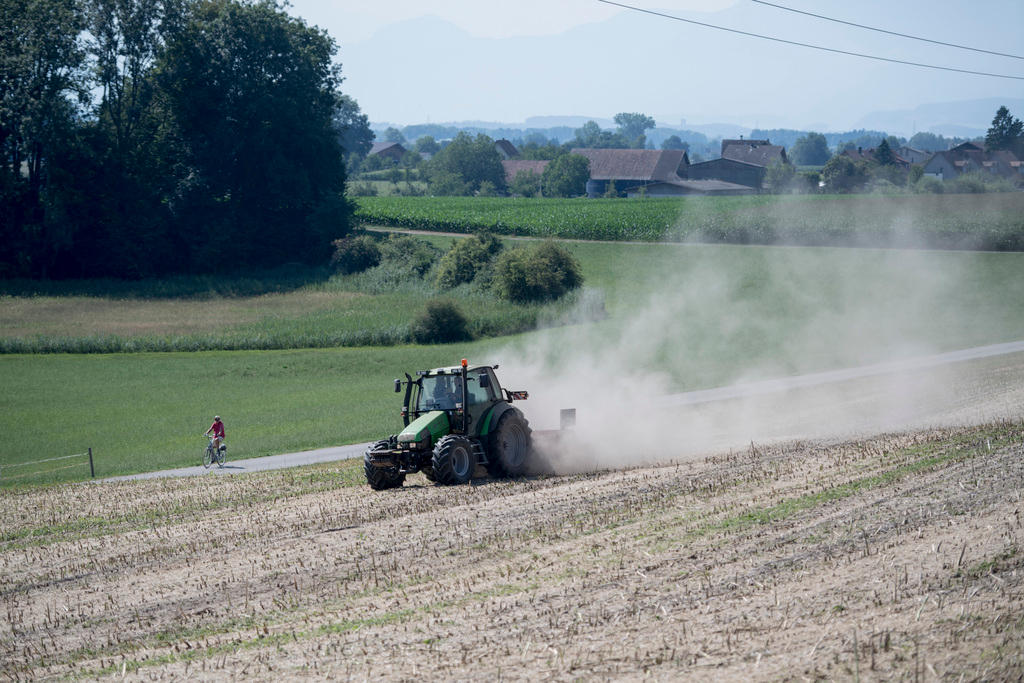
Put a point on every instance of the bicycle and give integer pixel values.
(212, 454)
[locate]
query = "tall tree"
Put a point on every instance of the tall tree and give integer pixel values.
(251, 93)
(1006, 132)
(354, 134)
(675, 142)
(118, 175)
(633, 128)
(928, 142)
(427, 145)
(591, 136)
(566, 176)
(42, 88)
(810, 150)
(472, 161)
(392, 134)
(883, 153)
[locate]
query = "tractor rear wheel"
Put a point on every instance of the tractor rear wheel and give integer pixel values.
(509, 445)
(380, 478)
(454, 460)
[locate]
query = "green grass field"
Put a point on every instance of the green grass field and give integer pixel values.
(311, 309)
(703, 314)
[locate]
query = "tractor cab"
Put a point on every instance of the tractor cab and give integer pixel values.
(464, 394)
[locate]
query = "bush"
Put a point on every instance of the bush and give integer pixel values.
(536, 274)
(488, 189)
(441, 323)
(807, 182)
(466, 259)
(929, 184)
(444, 184)
(411, 254)
(977, 182)
(362, 190)
(354, 254)
(525, 184)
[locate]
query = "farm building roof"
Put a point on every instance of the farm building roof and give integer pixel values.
(634, 164)
(506, 148)
(514, 166)
(379, 147)
(730, 141)
(757, 152)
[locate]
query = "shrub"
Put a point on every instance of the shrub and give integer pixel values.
(977, 182)
(445, 184)
(488, 189)
(354, 254)
(441, 323)
(362, 190)
(466, 259)
(807, 182)
(929, 184)
(411, 254)
(536, 274)
(525, 184)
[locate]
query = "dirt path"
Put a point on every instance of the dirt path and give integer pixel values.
(893, 557)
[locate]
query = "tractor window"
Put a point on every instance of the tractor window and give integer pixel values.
(439, 392)
(477, 393)
(495, 388)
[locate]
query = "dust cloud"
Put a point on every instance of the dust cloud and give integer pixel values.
(729, 347)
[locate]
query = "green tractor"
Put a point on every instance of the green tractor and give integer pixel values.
(455, 419)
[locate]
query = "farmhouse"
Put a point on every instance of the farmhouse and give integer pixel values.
(743, 162)
(388, 150)
(756, 152)
(632, 168)
(506, 149)
(968, 157)
(730, 171)
(914, 156)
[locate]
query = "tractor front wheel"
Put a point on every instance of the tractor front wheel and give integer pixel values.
(454, 460)
(509, 445)
(380, 478)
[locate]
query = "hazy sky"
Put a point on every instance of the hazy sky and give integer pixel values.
(409, 61)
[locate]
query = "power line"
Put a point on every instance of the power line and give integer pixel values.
(808, 45)
(882, 30)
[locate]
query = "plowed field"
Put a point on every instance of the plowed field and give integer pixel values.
(893, 557)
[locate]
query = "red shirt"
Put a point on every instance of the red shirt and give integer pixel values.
(217, 428)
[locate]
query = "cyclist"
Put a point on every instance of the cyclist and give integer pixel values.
(218, 432)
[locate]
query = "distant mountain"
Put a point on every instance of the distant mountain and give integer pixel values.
(428, 68)
(968, 118)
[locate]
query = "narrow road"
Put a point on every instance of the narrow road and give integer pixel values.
(720, 394)
(270, 462)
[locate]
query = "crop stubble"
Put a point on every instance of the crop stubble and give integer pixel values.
(886, 558)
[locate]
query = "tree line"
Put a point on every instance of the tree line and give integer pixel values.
(147, 137)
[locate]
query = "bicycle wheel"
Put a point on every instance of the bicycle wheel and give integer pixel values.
(222, 455)
(208, 456)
